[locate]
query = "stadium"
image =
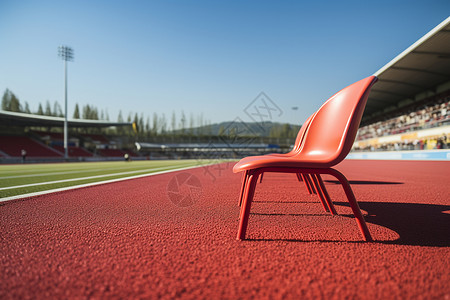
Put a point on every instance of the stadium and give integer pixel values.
(113, 212)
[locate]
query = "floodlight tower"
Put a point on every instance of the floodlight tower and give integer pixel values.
(66, 53)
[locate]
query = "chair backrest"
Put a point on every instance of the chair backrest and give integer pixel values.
(301, 134)
(332, 131)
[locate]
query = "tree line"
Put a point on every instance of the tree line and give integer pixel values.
(177, 124)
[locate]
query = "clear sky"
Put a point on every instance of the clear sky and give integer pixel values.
(210, 57)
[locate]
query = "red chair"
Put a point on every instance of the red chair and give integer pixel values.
(313, 182)
(326, 142)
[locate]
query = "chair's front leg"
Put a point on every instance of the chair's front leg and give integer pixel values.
(353, 204)
(246, 205)
(244, 182)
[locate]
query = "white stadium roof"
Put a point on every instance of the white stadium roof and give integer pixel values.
(419, 72)
(8, 118)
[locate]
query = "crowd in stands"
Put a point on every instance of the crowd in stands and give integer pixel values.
(432, 116)
(417, 118)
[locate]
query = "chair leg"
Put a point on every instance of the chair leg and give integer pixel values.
(308, 178)
(319, 193)
(354, 205)
(261, 177)
(244, 182)
(299, 177)
(246, 205)
(306, 183)
(327, 196)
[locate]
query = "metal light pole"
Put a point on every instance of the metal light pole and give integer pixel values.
(66, 53)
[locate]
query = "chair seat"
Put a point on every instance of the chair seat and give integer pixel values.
(267, 161)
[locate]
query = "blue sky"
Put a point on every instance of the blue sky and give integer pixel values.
(209, 57)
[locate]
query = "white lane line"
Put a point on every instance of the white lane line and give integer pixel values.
(42, 174)
(79, 178)
(62, 173)
(93, 184)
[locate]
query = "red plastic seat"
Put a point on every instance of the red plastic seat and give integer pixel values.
(313, 182)
(326, 142)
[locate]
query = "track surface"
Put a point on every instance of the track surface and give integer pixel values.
(130, 239)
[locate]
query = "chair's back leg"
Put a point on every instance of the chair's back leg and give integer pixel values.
(305, 180)
(326, 195)
(319, 193)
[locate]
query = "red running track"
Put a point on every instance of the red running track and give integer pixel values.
(129, 240)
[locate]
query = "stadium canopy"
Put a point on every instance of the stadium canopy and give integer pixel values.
(8, 118)
(419, 72)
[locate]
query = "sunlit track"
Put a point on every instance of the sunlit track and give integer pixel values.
(35, 178)
(82, 178)
(68, 188)
(93, 241)
(40, 174)
(59, 173)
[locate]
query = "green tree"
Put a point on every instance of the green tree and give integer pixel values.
(221, 130)
(48, 109)
(155, 124)
(120, 129)
(286, 129)
(15, 104)
(6, 100)
(90, 112)
(40, 111)
(173, 122)
(141, 124)
(163, 124)
(27, 108)
(191, 124)
(10, 102)
(147, 127)
(183, 122)
(86, 112)
(76, 113)
(57, 111)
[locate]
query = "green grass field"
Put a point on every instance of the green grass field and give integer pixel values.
(29, 178)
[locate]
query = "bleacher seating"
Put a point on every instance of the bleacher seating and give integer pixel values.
(75, 151)
(96, 138)
(111, 152)
(13, 145)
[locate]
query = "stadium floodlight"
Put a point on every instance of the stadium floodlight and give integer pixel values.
(66, 53)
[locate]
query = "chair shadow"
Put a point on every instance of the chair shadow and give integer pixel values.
(417, 224)
(284, 202)
(365, 182)
(292, 215)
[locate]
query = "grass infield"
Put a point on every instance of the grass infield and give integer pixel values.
(29, 178)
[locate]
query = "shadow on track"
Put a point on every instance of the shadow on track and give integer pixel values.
(367, 182)
(417, 224)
